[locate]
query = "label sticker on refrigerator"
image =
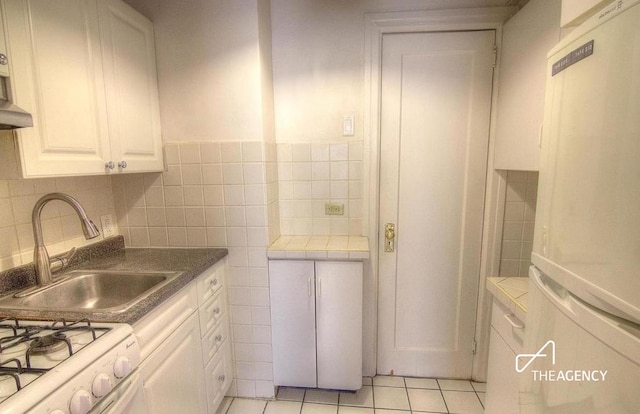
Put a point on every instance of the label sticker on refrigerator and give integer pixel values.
(572, 58)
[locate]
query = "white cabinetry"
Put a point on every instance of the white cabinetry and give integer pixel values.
(129, 61)
(526, 39)
(507, 333)
(167, 378)
(187, 365)
(85, 70)
(316, 322)
(216, 344)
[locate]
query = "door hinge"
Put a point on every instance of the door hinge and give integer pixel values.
(495, 55)
(474, 347)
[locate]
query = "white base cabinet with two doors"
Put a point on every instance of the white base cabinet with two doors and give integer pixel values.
(316, 323)
(186, 349)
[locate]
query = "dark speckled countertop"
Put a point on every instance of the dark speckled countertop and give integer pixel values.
(111, 254)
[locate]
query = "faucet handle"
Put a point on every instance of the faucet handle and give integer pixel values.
(60, 262)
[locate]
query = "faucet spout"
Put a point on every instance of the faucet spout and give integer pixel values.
(41, 259)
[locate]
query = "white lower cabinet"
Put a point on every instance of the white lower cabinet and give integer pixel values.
(186, 349)
(316, 322)
(169, 386)
(502, 378)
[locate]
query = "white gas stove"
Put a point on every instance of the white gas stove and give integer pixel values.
(61, 367)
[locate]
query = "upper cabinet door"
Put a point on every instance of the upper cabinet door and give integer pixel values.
(131, 87)
(56, 66)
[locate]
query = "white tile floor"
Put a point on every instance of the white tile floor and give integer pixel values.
(379, 395)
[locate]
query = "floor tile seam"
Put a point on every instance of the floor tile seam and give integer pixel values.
(446, 406)
(479, 399)
(406, 391)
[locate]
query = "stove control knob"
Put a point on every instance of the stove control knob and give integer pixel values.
(80, 402)
(122, 367)
(101, 385)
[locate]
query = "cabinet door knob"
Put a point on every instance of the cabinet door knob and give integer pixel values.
(218, 338)
(216, 311)
(110, 165)
(214, 282)
(3, 59)
(122, 164)
(221, 378)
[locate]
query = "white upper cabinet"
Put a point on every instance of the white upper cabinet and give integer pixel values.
(85, 69)
(526, 39)
(129, 63)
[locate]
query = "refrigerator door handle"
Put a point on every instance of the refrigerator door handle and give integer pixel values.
(620, 334)
(551, 289)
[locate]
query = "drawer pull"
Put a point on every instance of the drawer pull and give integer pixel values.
(513, 321)
(218, 338)
(221, 378)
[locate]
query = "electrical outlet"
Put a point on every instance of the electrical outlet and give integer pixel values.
(332, 209)
(108, 226)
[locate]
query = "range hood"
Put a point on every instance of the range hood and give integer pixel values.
(11, 116)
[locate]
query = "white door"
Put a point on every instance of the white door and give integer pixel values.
(169, 387)
(339, 324)
(293, 322)
(56, 75)
(131, 87)
(435, 112)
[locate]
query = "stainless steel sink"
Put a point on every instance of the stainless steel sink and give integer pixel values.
(90, 291)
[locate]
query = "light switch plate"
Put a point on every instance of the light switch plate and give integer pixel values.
(108, 227)
(348, 126)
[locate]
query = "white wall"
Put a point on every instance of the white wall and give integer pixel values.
(318, 62)
(208, 55)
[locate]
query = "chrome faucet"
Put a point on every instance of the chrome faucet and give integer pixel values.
(41, 260)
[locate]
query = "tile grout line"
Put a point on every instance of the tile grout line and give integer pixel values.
(442, 395)
(406, 390)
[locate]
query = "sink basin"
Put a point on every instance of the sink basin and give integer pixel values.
(90, 291)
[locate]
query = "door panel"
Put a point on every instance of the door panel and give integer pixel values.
(339, 324)
(168, 386)
(132, 87)
(56, 69)
(293, 323)
(435, 112)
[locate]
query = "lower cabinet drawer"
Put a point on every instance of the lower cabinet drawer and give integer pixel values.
(218, 375)
(508, 326)
(212, 341)
(212, 311)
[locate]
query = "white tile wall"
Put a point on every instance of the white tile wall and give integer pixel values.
(519, 220)
(312, 174)
(216, 194)
(61, 227)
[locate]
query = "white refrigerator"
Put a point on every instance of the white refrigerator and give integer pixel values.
(582, 341)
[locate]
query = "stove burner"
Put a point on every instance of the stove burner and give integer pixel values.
(48, 344)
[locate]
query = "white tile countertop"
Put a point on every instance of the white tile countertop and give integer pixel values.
(320, 248)
(511, 292)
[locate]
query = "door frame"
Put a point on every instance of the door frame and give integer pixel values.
(377, 25)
